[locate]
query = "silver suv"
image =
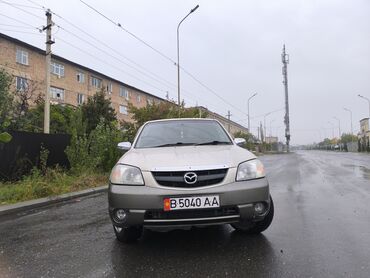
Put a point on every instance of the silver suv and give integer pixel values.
(187, 172)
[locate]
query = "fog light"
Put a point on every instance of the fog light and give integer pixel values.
(120, 215)
(259, 208)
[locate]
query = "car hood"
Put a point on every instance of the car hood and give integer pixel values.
(186, 157)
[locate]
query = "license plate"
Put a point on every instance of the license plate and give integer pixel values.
(198, 202)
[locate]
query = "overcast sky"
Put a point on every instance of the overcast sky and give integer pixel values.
(233, 47)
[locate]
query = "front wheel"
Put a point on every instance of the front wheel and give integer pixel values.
(128, 235)
(256, 227)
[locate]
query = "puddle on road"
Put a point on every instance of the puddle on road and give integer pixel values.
(359, 171)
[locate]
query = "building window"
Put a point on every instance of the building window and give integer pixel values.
(138, 98)
(123, 92)
(123, 109)
(21, 83)
(109, 88)
(96, 82)
(22, 57)
(150, 101)
(80, 77)
(80, 99)
(56, 93)
(57, 69)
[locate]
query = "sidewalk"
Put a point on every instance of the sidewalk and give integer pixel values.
(37, 203)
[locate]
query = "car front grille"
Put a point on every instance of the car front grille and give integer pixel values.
(176, 179)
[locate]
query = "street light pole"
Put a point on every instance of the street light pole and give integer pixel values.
(332, 129)
(271, 126)
(264, 123)
(351, 118)
(249, 121)
(338, 126)
(178, 55)
(368, 100)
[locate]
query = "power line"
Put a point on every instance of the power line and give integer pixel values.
(37, 4)
(137, 38)
(23, 32)
(121, 55)
(21, 5)
(21, 9)
(20, 21)
(16, 26)
(104, 62)
(109, 47)
(109, 54)
(130, 33)
(212, 91)
(161, 54)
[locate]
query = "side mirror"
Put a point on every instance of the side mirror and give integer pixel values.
(239, 141)
(125, 146)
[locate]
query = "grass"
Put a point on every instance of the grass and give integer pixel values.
(54, 182)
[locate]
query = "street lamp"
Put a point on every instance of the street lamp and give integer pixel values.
(271, 126)
(249, 121)
(264, 123)
(332, 129)
(351, 118)
(368, 100)
(178, 54)
(338, 126)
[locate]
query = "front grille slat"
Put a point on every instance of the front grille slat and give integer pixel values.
(189, 214)
(176, 179)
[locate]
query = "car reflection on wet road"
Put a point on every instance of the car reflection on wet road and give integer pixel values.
(321, 229)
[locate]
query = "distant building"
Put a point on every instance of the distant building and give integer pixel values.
(271, 139)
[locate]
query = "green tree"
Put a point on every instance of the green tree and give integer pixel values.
(62, 119)
(347, 137)
(6, 105)
(97, 108)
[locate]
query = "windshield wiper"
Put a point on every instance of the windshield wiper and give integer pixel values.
(174, 144)
(214, 143)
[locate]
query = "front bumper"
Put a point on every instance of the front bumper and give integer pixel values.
(237, 201)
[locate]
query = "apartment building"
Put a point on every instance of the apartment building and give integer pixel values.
(71, 83)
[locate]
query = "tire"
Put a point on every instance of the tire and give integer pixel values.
(128, 235)
(256, 227)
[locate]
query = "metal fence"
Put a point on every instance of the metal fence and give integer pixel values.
(22, 153)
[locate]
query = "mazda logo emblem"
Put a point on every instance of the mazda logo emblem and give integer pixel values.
(190, 178)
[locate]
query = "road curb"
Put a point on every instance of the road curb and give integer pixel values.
(37, 203)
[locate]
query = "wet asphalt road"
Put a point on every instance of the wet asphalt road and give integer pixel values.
(321, 229)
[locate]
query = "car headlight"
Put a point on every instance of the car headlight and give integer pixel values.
(252, 169)
(126, 175)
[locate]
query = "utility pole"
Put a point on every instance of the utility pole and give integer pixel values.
(332, 129)
(285, 60)
(48, 43)
(249, 121)
(228, 118)
(350, 112)
(339, 131)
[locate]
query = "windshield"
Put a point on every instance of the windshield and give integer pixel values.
(182, 133)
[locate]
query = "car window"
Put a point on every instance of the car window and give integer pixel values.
(181, 133)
